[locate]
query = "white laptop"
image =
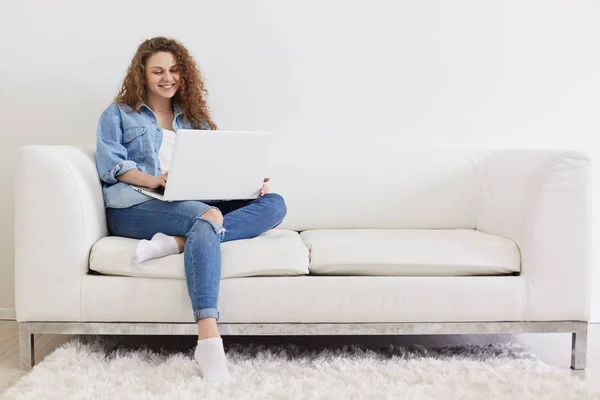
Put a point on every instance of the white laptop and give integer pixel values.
(216, 165)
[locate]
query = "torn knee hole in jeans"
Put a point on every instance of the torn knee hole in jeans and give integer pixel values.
(218, 228)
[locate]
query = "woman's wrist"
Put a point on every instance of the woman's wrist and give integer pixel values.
(146, 179)
(136, 177)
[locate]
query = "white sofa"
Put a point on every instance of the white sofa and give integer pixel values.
(377, 241)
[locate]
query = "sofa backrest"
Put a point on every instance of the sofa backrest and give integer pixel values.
(372, 186)
(341, 186)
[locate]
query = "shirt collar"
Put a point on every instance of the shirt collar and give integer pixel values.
(177, 110)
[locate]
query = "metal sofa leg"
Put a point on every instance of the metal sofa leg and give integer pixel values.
(26, 350)
(579, 347)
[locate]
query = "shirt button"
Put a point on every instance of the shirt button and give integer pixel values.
(156, 150)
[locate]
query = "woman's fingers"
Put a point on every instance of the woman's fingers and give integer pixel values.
(265, 187)
(162, 180)
(264, 190)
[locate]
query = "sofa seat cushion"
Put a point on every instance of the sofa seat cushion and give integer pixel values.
(278, 252)
(410, 252)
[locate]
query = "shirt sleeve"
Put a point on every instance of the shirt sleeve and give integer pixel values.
(111, 155)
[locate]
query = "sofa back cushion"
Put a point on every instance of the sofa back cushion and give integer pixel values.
(372, 186)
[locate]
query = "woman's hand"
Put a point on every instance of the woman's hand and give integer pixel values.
(157, 181)
(265, 187)
(139, 178)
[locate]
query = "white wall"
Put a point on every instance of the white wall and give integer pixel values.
(512, 73)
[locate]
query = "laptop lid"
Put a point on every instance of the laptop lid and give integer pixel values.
(218, 165)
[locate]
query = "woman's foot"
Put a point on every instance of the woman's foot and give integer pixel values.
(210, 356)
(161, 245)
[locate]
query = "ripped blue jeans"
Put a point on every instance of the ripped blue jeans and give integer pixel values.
(242, 219)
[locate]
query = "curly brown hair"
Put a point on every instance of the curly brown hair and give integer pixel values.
(191, 95)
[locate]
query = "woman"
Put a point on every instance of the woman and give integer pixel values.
(162, 92)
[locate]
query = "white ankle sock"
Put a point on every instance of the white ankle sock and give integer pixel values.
(161, 245)
(210, 356)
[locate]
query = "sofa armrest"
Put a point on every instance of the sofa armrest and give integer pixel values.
(541, 199)
(59, 215)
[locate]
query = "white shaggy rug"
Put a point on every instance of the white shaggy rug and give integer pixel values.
(100, 369)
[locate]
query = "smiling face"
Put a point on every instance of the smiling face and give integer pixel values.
(162, 75)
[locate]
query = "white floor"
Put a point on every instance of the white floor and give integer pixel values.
(552, 348)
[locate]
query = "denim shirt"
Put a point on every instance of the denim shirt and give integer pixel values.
(128, 140)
